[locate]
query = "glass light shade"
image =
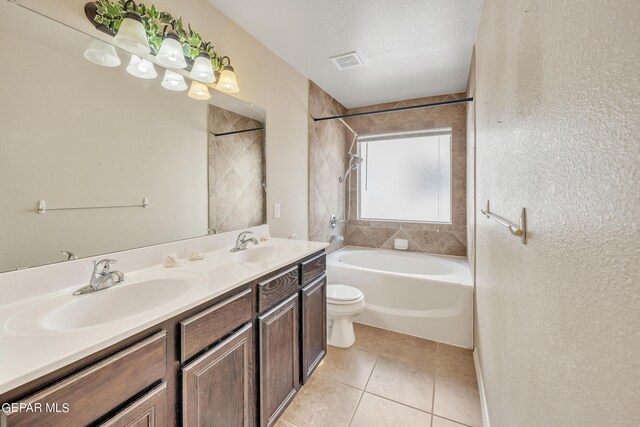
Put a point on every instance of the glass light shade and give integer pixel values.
(227, 82)
(132, 36)
(142, 68)
(202, 69)
(170, 54)
(101, 53)
(173, 81)
(199, 91)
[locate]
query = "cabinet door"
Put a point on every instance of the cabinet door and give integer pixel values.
(314, 325)
(148, 411)
(279, 369)
(217, 387)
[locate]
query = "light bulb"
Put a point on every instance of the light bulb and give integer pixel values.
(170, 54)
(202, 69)
(102, 54)
(173, 81)
(228, 82)
(199, 91)
(131, 35)
(142, 68)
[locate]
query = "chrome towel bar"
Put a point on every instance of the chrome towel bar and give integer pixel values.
(519, 231)
(42, 207)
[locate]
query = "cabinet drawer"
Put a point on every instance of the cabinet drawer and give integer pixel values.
(94, 391)
(313, 268)
(149, 410)
(277, 288)
(208, 326)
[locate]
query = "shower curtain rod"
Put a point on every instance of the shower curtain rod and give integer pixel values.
(236, 131)
(393, 110)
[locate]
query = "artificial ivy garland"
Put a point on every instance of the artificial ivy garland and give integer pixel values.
(109, 15)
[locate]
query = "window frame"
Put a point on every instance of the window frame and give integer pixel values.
(448, 130)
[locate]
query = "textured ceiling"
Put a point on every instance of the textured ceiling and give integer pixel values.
(410, 48)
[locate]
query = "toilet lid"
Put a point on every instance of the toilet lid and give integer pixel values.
(343, 293)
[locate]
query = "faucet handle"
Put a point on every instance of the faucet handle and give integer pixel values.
(103, 264)
(244, 233)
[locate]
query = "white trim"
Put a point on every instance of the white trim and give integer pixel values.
(483, 397)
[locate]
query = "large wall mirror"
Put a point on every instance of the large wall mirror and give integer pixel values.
(94, 159)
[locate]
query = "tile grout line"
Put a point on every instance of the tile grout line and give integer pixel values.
(363, 391)
(399, 403)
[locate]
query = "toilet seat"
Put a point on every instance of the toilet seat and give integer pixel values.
(343, 294)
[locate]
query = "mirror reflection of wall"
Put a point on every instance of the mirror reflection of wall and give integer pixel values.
(237, 188)
(76, 134)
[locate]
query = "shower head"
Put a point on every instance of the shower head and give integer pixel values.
(354, 163)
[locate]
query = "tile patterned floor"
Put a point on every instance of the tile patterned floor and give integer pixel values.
(389, 379)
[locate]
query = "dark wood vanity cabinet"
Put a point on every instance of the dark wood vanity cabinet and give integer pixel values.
(313, 323)
(217, 387)
(278, 355)
(237, 360)
(148, 411)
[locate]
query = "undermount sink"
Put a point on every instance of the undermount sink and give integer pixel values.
(68, 312)
(258, 253)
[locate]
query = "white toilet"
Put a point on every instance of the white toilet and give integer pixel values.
(344, 304)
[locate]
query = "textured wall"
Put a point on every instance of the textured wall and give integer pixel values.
(432, 238)
(557, 127)
(328, 146)
(236, 172)
(471, 165)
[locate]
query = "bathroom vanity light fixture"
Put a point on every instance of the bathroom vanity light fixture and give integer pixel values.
(141, 68)
(199, 91)
(170, 54)
(202, 69)
(131, 35)
(141, 29)
(101, 53)
(173, 81)
(228, 82)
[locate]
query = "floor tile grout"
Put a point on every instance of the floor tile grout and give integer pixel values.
(353, 415)
(399, 403)
(375, 349)
(451, 419)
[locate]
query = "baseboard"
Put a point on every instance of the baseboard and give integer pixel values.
(483, 398)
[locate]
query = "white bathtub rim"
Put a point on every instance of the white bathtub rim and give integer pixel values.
(459, 279)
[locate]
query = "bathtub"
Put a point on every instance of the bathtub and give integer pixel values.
(429, 296)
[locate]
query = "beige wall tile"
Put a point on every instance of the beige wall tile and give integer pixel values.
(453, 116)
(328, 145)
(236, 172)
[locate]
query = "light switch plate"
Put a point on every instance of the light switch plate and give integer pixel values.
(276, 210)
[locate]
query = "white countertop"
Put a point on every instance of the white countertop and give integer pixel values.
(27, 355)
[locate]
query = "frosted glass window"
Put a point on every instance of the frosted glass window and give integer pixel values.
(405, 177)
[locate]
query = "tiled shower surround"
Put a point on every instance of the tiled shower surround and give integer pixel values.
(236, 172)
(328, 145)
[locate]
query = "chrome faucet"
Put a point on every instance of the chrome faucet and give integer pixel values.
(102, 277)
(242, 242)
